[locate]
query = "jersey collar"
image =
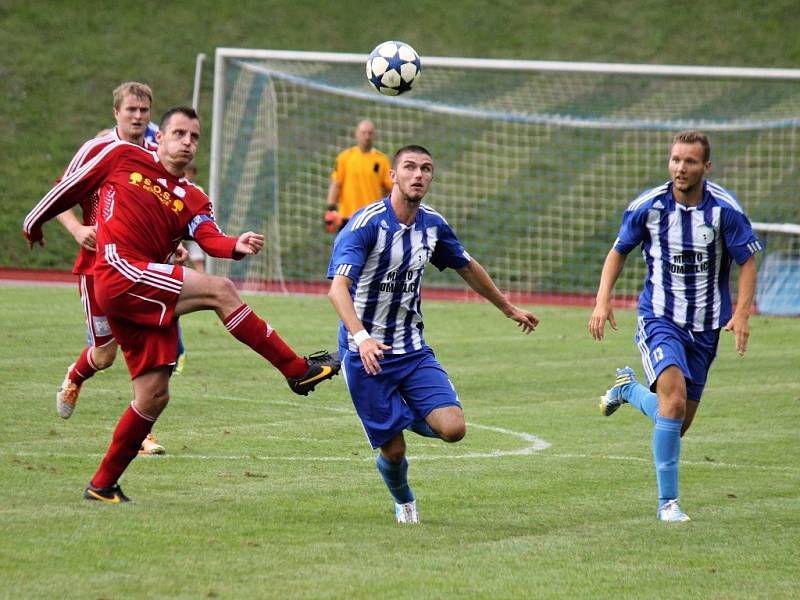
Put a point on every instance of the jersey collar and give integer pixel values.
(673, 204)
(418, 218)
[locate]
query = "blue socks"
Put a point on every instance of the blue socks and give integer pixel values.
(396, 478)
(666, 440)
(666, 453)
(642, 398)
(422, 428)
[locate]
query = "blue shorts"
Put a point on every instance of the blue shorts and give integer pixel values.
(407, 389)
(663, 344)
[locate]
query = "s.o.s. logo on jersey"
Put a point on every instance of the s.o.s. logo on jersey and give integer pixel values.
(705, 234)
(157, 190)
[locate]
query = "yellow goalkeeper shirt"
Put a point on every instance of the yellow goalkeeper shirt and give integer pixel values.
(363, 177)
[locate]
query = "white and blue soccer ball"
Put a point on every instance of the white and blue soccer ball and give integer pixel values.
(393, 67)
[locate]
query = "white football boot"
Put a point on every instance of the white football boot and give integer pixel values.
(672, 513)
(406, 513)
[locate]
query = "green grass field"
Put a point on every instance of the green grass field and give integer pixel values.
(266, 494)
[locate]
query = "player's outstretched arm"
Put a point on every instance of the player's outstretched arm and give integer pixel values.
(602, 308)
(67, 193)
(215, 243)
(479, 280)
(739, 324)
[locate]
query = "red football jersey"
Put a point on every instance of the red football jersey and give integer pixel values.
(145, 211)
(84, 262)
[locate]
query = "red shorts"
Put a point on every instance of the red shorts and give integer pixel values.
(139, 300)
(98, 330)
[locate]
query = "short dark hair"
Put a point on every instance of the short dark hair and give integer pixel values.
(183, 110)
(406, 150)
(692, 136)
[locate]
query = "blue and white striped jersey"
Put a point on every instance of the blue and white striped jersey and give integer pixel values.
(385, 259)
(688, 252)
(150, 133)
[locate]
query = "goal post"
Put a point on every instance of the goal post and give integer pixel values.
(778, 291)
(535, 160)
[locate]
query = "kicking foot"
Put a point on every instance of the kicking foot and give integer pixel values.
(321, 366)
(613, 399)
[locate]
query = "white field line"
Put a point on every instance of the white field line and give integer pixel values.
(533, 445)
(693, 463)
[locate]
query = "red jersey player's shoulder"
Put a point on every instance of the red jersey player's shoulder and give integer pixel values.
(121, 148)
(193, 192)
(189, 185)
(89, 149)
(112, 153)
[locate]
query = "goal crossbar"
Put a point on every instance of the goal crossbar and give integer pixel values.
(497, 64)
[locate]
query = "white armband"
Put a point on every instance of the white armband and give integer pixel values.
(360, 336)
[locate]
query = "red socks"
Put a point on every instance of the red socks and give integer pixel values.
(134, 426)
(247, 327)
(84, 367)
(131, 430)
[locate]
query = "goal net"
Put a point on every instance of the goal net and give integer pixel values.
(778, 291)
(535, 161)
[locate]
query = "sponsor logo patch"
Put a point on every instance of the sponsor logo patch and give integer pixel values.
(161, 268)
(100, 326)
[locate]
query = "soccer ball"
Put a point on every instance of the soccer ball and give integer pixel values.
(393, 67)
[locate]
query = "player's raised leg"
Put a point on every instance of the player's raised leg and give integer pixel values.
(202, 291)
(421, 427)
(428, 389)
(448, 422)
(628, 390)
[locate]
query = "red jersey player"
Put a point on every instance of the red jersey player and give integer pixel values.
(131, 103)
(146, 207)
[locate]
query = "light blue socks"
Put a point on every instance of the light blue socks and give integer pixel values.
(666, 454)
(396, 478)
(642, 398)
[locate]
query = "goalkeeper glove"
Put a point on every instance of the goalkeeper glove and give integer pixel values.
(332, 220)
